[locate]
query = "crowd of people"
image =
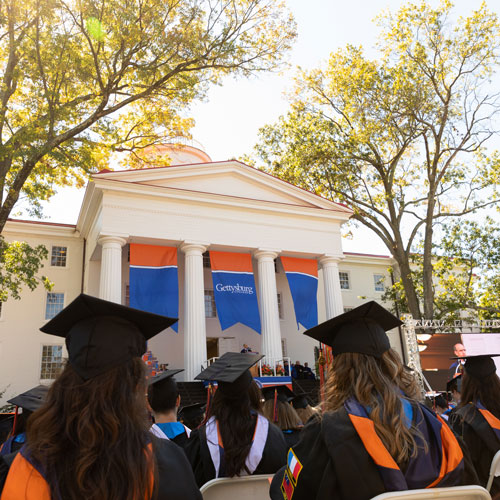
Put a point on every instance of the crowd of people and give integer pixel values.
(104, 432)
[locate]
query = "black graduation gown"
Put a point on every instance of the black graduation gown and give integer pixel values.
(273, 457)
(335, 464)
(175, 476)
(292, 437)
(480, 439)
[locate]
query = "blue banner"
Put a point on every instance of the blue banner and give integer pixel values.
(234, 290)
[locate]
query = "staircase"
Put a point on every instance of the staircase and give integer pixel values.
(310, 389)
(192, 392)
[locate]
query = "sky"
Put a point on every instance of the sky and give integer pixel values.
(227, 122)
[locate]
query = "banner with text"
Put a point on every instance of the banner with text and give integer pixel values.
(302, 277)
(234, 289)
(154, 283)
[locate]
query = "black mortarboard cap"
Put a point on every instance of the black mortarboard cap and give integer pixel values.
(454, 384)
(31, 400)
(360, 330)
(479, 366)
(163, 376)
(300, 401)
(101, 334)
(231, 371)
(284, 393)
(193, 410)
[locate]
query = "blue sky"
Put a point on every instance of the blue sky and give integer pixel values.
(227, 122)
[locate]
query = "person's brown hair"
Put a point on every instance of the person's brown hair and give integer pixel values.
(306, 413)
(377, 384)
(236, 416)
(91, 437)
(287, 416)
(486, 390)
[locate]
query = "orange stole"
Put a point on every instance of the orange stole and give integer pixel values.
(24, 482)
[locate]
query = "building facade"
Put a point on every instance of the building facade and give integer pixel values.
(195, 207)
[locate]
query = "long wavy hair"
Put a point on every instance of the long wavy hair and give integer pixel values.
(91, 436)
(377, 384)
(486, 390)
(235, 414)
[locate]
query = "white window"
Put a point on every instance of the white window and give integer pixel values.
(52, 361)
(283, 348)
(344, 280)
(210, 309)
(378, 280)
(58, 256)
(280, 306)
(54, 304)
(347, 309)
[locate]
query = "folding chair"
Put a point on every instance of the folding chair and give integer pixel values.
(454, 492)
(494, 470)
(241, 488)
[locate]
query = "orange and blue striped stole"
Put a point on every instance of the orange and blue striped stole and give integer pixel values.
(442, 464)
(492, 421)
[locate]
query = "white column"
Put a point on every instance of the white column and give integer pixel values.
(195, 339)
(333, 295)
(110, 285)
(269, 314)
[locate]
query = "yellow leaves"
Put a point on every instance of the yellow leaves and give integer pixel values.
(95, 29)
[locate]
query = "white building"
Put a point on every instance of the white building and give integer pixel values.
(195, 207)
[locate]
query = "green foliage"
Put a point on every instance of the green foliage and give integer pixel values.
(466, 272)
(81, 81)
(19, 267)
(400, 139)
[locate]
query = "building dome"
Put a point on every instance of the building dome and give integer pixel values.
(181, 151)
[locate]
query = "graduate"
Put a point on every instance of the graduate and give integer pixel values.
(236, 439)
(278, 410)
(373, 436)
(91, 438)
(29, 402)
(477, 417)
(192, 415)
(304, 410)
(164, 400)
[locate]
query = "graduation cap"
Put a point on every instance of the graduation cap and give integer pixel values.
(299, 402)
(192, 415)
(231, 371)
(360, 330)
(454, 384)
(101, 334)
(31, 400)
(283, 393)
(163, 376)
(479, 366)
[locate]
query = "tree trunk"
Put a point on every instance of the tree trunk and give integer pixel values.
(427, 266)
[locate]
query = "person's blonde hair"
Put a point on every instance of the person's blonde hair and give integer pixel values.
(287, 416)
(376, 384)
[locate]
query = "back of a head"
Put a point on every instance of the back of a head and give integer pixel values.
(287, 417)
(95, 427)
(306, 413)
(486, 390)
(162, 396)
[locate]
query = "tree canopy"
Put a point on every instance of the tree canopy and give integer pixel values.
(402, 138)
(81, 79)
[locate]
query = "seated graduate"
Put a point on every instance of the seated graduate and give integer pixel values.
(373, 435)
(304, 410)
(29, 401)
(477, 417)
(236, 440)
(193, 415)
(278, 410)
(91, 437)
(164, 400)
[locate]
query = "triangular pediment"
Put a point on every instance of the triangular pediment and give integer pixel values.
(230, 178)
